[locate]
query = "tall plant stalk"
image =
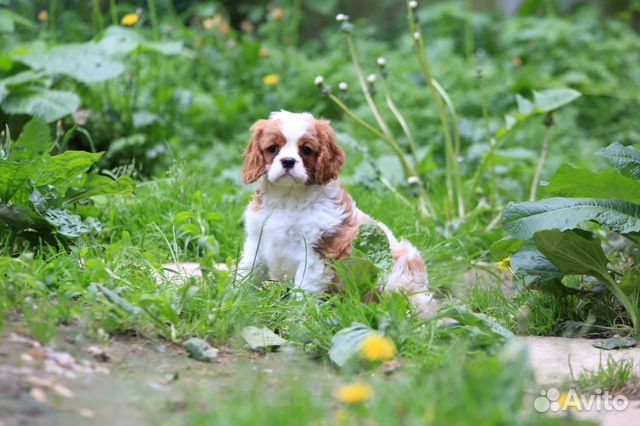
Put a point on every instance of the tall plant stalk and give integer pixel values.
(451, 160)
(113, 10)
(153, 16)
(548, 122)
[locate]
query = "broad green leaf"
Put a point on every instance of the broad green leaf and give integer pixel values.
(200, 350)
(63, 170)
(357, 275)
(100, 185)
(617, 342)
(572, 252)
(34, 141)
(45, 198)
(531, 261)
(85, 62)
(13, 177)
(552, 99)
(524, 219)
(576, 252)
(118, 40)
(572, 182)
(49, 105)
(630, 282)
(482, 330)
(6, 23)
(70, 224)
(346, 343)
(22, 220)
(624, 158)
(525, 106)
(261, 339)
(26, 77)
(504, 248)
(167, 48)
(117, 300)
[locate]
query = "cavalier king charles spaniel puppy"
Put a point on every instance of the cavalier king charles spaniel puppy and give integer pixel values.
(301, 217)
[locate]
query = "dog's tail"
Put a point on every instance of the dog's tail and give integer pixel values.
(409, 274)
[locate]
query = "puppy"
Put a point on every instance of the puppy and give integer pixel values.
(301, 216)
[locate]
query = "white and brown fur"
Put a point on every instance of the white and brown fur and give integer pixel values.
(301, 215)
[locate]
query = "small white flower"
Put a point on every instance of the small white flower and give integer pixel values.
(341, 17)
(371, 78)
(319, 81)
(416, 35)
(413, 180)
(413, 4)
(343, 86)
(382, 62)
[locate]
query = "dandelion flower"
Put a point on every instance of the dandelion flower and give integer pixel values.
(377, 348)
(343, 86)
(43, 16)
(504, 265)
(271, 79)
(319, 80)
(355, 393)
(277, 14)
(130, 19)
(264, 52)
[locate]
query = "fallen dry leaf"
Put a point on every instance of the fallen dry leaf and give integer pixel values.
(39, 395)
(85, 412)
(62, 390)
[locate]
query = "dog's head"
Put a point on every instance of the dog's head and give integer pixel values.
(292, 149)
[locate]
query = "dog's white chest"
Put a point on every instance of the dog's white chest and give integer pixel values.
(290, 231)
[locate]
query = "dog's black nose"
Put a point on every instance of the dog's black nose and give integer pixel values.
(288, 163)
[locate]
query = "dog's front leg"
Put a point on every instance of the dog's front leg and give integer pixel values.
(312, 274)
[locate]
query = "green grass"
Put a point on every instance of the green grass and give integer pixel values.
(610, 375)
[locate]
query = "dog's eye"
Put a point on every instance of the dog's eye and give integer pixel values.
(306, 150)
(273, 149)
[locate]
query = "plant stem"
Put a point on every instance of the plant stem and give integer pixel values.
(96, 17)
(548, 122)
(423, 194)
(403, 162)
(52, 18)
(113, 10)
(451, 161)
(153, 16)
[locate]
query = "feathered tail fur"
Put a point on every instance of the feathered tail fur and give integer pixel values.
(409, 274)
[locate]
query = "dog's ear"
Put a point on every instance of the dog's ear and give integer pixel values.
(330, 157)
(254, 165)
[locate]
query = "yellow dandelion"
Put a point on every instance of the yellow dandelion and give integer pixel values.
(43, 16)
(355, 393)
(264, 52)
(504, 265)
(377, 348)
(271, 79)
(130, 19)
(277, 14)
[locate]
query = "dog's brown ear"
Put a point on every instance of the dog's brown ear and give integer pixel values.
(330, 157)
(254, 165)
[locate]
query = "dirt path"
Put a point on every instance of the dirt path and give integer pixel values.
(550, 358)
(130, 381)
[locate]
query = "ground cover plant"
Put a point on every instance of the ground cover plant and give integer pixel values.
(503, 144)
